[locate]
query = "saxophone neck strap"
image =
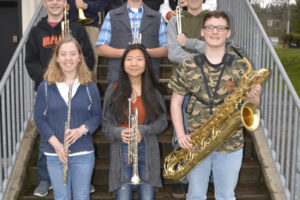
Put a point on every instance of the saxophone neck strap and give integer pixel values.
(200, 59)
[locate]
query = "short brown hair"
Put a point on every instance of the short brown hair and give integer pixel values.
(217, 14)
(54, 73)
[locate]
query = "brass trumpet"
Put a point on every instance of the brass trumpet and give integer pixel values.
(65, 27)
(82, 19)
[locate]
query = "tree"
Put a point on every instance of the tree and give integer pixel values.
(295, 17)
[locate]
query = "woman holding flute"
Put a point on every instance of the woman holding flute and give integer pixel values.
(68, 71)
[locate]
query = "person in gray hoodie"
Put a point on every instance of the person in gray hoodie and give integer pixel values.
(187, 43)
(137, 82)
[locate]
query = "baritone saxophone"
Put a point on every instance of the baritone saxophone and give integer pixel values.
(225, 121)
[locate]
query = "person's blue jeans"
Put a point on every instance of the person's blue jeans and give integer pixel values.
(78, 180)
(145, 190)
(42, 163)
(225, 168)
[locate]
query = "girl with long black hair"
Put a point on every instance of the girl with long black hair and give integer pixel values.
(135, 81)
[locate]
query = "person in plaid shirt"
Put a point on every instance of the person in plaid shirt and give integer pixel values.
(121, 27)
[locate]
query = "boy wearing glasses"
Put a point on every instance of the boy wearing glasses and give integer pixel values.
(209, 78)
(181, 46)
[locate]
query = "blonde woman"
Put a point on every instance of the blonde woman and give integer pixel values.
(66, 67)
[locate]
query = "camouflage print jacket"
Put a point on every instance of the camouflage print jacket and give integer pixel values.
(188, 79)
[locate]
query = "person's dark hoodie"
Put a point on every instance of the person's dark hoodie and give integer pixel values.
(41, 43)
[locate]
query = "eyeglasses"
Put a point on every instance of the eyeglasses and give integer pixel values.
(211, 28)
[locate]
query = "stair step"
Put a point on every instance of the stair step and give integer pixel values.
(164, 65)
(161, 80)
(250, 172)
(101, 144)
(243, 192)
(163, 83)
(164, 60)
(165, 71)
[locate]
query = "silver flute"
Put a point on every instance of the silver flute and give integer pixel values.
(67, 127)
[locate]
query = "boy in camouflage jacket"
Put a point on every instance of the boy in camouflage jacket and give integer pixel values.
(209, 78)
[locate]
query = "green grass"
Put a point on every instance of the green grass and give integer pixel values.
(290, 59)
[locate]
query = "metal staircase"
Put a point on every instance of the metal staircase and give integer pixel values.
(251, 182)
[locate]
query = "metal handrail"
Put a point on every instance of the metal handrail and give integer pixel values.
(16, 104)
(37, 15)
(275, 56)
(280, 104)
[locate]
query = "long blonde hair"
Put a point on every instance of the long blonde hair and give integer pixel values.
(54, 73)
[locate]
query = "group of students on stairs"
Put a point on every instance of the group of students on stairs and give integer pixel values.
(133, 37)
